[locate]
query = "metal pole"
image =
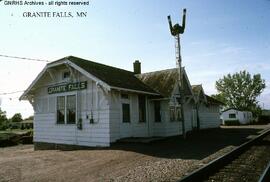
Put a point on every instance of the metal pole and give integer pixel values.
(176, 30)
(180, 81)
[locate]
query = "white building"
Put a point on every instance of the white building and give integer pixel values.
(231, 114)
(80, 102)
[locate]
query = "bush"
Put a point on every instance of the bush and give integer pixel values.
(5, 125)
(264, 119)
(232, 122)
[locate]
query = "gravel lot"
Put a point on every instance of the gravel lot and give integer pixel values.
(166, 160)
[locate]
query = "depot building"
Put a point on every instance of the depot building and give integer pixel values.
(78, 102)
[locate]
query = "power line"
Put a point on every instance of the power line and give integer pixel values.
(14, 92)
(30, 59)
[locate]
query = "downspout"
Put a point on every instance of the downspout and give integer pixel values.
(97, 100)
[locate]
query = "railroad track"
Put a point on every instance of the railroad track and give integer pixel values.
(247, 163)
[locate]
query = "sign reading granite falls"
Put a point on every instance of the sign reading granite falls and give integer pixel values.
(67, 87)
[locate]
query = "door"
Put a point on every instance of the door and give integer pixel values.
(125, 120)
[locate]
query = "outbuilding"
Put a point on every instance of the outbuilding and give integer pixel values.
(235, 115)
(80, 102)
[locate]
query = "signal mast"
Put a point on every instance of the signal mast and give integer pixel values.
(176, 30)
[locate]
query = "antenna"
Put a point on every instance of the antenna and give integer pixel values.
(176, 30)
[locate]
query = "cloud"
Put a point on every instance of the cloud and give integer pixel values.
(264, 99)
(232, 50)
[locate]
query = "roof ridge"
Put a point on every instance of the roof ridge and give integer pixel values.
(99, 63)
(157, 71)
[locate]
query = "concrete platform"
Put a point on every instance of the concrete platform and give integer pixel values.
(140, 139)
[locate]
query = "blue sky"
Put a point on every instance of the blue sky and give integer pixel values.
(221, 37)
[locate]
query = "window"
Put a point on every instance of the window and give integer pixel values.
(71, 109)
(61, 110)
(66, 109)
(66, 75)
(172, 113)
(232, 115)
(126, 113)
(142, 109)
(157, 111)
(178, 113)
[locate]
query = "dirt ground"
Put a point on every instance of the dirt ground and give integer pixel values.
(165, 160)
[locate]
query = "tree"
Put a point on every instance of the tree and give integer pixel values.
(29, 118)
(219, 97)
(3, 120)
(3, 116)
(240, 90)
(16, 118)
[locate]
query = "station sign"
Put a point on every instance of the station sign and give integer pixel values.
(67, 87)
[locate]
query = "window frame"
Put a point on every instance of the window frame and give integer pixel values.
(129, 114)
(74, 108)
(65, 72)
(178, 115)
(172, 113)
(230, 115)
(142, 108)
(58, 121)
(65, 108)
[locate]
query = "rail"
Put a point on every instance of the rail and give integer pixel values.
(204, 172)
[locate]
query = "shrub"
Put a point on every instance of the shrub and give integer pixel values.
(232, 122)
(264, 119)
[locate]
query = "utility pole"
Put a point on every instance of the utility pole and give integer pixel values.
(176, 30)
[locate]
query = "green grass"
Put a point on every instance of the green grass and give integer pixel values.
(4, 136)
(13, 137)
(10, 133)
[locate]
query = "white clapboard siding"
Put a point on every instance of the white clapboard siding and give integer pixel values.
(90, 101)
(106, 110)
(209, 117)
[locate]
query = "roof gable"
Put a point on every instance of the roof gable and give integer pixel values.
(199, 93)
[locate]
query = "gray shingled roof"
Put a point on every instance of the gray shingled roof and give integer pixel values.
(162, 81)
(115, 77)
(213, 100)
(196, 89)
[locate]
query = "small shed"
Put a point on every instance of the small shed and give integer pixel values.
(233, 114)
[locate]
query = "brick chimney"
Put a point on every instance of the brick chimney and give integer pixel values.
(137, 67)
